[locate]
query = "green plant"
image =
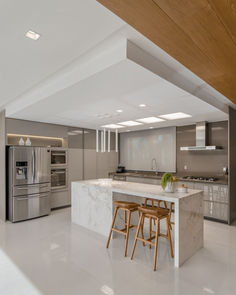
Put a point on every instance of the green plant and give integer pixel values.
(166, 177)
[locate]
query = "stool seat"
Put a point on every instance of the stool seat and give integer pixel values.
(155, 212)
(126, 205)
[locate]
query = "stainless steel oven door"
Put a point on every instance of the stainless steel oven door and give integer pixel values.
(31, 206)
(59, 178)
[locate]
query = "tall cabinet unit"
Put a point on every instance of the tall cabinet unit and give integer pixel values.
(59, 177)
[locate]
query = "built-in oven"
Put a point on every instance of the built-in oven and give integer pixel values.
(59, 178)
(58, 157)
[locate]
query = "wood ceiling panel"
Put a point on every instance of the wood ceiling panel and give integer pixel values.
(226, 10)
(190, 31)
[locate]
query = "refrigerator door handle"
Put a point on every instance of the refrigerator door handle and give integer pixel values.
(32, 166)
(34, 163)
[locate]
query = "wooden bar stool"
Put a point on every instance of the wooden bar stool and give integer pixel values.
(158, 204)
(156, 214)
(127, 207)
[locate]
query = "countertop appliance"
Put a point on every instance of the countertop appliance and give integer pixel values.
(28, 182)
(120, 169)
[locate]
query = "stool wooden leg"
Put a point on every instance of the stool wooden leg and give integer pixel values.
(150, 231)
(142, 224)
(156, 245)
(127, 233)
(136, 235)
(112, 225)
(125, 220)
(169, 237)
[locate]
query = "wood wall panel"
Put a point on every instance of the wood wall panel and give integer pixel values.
(193, 32)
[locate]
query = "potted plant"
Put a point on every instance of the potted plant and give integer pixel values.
(167, 182)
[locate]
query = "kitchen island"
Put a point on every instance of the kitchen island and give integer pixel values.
(92, 207)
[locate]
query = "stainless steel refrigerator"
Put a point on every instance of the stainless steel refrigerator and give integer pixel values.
(28, 182)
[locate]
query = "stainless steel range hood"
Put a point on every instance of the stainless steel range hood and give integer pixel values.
(201, 140)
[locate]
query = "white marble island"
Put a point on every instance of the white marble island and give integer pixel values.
(92, 207)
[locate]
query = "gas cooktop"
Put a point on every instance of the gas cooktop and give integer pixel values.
(201, 178)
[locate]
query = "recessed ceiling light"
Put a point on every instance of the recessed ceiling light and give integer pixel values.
(112, 126)
(119, 111)
(174, 116)
(128, 130)
(130, 123)
(151, 127)
(150, 120)
(32, 35)
(142, 105)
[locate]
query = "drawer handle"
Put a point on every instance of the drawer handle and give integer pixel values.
(31, 197)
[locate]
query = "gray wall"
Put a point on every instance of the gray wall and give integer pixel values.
(206, 163)
(2, 167)
(138, 148)
(15, 126)
(232, 164)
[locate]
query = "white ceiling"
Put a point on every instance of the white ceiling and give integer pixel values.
(68, 29)
(79, 70)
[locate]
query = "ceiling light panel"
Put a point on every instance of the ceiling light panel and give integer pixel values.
(112, 126)
(175, 116)
(32, 35)
(142, 105)
(130, 123)
(150, 120)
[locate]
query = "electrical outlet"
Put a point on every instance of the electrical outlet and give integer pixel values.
(185, 167)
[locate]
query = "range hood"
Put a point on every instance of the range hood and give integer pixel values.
(201, 141)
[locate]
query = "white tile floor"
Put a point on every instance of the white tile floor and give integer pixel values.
(51, 256)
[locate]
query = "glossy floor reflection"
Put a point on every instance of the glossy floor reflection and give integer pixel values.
(51, 256)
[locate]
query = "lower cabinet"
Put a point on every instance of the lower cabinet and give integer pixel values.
(60, 198)
(216, 199)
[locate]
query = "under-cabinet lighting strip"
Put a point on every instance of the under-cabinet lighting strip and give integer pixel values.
(34, 136)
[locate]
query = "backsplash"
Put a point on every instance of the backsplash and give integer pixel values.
(205, 163)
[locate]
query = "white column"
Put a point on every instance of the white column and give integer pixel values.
(116, 140)
(109, 141)
(104, 140)
(97, 141)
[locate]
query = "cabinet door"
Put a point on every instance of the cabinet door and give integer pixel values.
(216, 210)
(90, 164)
(75, 164)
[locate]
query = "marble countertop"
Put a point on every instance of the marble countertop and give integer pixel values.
(137, 189)
(152, 175)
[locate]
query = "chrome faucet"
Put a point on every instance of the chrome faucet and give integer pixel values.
(154, 168)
